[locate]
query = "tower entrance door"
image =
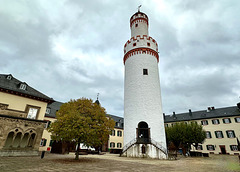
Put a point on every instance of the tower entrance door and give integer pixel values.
(143, 133)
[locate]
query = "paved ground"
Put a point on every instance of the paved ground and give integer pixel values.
(114, 163)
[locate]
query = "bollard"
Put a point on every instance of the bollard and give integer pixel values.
(42, 155)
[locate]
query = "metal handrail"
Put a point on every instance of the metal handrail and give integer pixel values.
(127, 146)
(153, 142)
(159, 146)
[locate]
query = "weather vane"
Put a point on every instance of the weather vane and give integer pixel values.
(97, 95)
(139, 8)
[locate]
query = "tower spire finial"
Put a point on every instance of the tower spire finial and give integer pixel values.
(139, 8)
(97, 95)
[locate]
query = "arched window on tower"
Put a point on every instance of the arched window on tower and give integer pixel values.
(143, 133)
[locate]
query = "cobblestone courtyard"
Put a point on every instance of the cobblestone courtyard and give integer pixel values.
(114, 163)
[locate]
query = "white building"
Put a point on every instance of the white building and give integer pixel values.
(144, 133)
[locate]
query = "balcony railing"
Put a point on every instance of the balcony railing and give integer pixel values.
(143, 141)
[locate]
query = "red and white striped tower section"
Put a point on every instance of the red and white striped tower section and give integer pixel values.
(144, 133)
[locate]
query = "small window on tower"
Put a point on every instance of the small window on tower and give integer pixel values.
(148, 44)
(145, 72)
(136, 25)
(134, 44)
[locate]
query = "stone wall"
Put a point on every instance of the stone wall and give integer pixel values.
(19, 136)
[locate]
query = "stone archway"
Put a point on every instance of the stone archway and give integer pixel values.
(31, 140)
(17, 140)
(9, 140)
(24, 141)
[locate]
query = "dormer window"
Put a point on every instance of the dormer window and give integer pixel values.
(23, 86)
(9, 77)
(48, 110)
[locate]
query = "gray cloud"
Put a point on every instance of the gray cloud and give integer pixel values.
(70, 49)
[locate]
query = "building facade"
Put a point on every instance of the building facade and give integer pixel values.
(144, 132)
(115, 142)
(50, 116)
(22, 109)
(222, 128)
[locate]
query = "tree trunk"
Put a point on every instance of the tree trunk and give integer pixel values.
(176, 151)
(77, 152)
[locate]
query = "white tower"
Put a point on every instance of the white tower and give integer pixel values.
(144, 133)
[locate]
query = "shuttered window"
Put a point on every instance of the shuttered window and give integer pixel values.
(208, 135)
(215, 121)
(219, 134)
(230, 134)
(226, 120)
(210, 147)
(204, 122)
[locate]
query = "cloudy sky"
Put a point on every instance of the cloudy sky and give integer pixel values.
(69, 49)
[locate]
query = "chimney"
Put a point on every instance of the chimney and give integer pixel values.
(238, 105)
(208, 109)
(190, 112)
(164, 115)
(213, 108)
(174, 115)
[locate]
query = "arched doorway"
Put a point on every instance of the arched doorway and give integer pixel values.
(143, 133)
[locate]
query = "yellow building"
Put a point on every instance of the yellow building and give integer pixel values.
(50, 116)
(22, 110)
(222, 128)
(115, 142)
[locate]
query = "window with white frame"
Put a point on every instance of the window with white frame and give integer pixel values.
(215, 121)
(48, 110)
(9, 77)
(119, 133)
(226, 120)
(234, 147)
(113, 133)
(47, 124)
(204, 122)
(23, 86)
(112, 145)
(219, 134)
(237, 119)
(119, 145)
(210, 147)
(208, 135)
(32, 113)
(199, 147)
(230, 134)
(117, 124)
(43, 142)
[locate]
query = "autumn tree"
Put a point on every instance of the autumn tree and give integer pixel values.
(82, 121)
(175, 135)
(185, 134)
(194, 135)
